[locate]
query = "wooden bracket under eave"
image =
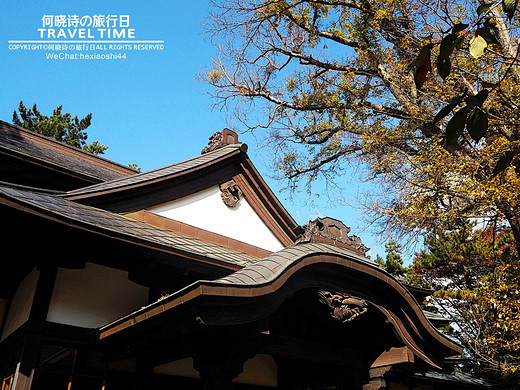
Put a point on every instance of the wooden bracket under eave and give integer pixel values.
(394, 356)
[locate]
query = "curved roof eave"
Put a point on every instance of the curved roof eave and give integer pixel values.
(156, 175)
(257, 290)
(104, 223)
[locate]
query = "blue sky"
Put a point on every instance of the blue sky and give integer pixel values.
(148, 108)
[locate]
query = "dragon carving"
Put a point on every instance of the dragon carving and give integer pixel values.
(342, 306)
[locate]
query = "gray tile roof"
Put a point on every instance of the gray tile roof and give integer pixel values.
(168, 171)
(435, 317)
(30, 145)
(270, 267)
(458, 378)
(110, 222)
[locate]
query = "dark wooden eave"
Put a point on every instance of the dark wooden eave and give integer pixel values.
(28, 158)
(420, 293)
(255, 292)
(188, 251)
(132, 188)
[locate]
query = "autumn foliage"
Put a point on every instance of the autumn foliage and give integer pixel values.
(424, 93)
(476, 277)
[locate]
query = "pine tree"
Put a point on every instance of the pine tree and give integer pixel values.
(393, 264)
(60, 126)
(476, 277)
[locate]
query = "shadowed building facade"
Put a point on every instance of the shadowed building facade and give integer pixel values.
(193, 276)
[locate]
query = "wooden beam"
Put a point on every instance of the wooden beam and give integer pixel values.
(309, 350)
(43, 292)
(394, 356)
(21, 380)
(24, 372)
(377, 378)
(193, 231)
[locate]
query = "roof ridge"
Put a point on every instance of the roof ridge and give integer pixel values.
(30, 188)
(60, 144)
(229, 146)
(135, 178)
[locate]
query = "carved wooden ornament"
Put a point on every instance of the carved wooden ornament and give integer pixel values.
(215, 142)
(230, 193)
(342, 306)
(220, 139)
(332, 229)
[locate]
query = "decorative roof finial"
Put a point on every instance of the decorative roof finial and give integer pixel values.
(333, 231)
(221, 139)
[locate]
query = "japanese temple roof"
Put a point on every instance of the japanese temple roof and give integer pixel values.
(24, 146)
(437, 319)
(163, 173)
(159, 186)
(50, 205)
(271, 267)
(461, 379)
(255, 291)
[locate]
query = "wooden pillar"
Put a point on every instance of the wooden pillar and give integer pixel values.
(77, 369)
(105, 372)
(22, 380)
(24, 372)
(43, 292)
(30, 349)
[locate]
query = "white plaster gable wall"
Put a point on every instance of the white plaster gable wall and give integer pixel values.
(94, 296)
(206, 210)
(20, 306)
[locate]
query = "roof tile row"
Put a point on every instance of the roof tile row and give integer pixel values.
(107, 221)
(269, 268)
(170, 170)
(27, 143)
